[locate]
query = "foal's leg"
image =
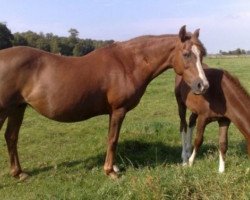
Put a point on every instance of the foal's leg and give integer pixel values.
(201, 124)
(15, 119)
(115, 122)
(183, 130)
(223, 142)
(191, 126)
(183, 123)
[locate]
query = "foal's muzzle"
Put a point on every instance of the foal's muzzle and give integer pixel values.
(199, 86)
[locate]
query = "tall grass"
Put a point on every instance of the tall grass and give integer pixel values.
(65, 161)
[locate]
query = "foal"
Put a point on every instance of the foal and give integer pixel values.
(225, 101)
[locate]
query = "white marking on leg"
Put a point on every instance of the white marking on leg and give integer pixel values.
(221, 163)
(189, 141)
(196, 51)
(116, 169)
(191, 159)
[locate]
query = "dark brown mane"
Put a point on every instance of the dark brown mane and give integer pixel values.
(143, 37)
(237, 83)
(137, 40)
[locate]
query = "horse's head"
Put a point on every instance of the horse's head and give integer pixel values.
(187, 61)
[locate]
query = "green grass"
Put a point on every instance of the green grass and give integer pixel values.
(65, 161)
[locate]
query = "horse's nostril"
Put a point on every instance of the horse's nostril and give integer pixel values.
(199, 86)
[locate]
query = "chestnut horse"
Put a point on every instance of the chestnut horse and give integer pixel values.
(225, 101)
(110, 80)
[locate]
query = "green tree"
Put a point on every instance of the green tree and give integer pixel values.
(31, 38)
(6, 36)
(19, 40)
(55, 45)
(83, 47)
(73, 33)
(66, 47)
(42, 43)
(72, 39)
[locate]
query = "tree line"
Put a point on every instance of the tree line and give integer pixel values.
(237, 51)
(69, 46)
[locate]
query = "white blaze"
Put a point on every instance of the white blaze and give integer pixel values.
(196, 52)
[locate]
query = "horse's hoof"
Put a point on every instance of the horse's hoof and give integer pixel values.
(22, 176)
(113, 175)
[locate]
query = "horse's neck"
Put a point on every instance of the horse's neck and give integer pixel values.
(238, 108)
(153, 56)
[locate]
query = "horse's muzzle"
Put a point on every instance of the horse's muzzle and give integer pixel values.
(199, 86)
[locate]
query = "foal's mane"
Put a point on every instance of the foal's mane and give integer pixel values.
(236, 82)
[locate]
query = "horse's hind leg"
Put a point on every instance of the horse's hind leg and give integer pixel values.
(223, 142)
(15, 119)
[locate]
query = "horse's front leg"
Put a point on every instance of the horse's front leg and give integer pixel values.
(223, 142)
(115, 122)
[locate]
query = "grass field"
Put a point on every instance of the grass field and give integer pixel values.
(65, 161)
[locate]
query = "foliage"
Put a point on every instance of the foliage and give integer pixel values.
(6, 36)
(237, 51)
(65, 161)
(71, 45)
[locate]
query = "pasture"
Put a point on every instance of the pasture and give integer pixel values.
(65, 161)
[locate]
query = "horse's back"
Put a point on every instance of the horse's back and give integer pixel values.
(54, 85)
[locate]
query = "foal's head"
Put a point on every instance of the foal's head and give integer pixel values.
(187, 60)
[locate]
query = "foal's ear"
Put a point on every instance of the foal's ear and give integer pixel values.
(196, 33)
(183, 33)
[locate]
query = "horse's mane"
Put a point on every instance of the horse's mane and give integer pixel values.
(152, 36)
(237, 83)
(140, 39)
(201, 47)
(195, 41)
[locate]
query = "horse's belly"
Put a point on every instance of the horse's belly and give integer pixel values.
(73, 110)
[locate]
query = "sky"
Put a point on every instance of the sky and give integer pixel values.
(224, 24)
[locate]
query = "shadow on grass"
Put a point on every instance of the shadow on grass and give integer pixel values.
(138, 154)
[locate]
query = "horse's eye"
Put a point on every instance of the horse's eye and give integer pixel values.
(187, 55)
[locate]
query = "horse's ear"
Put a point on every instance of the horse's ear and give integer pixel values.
(196, 33)
(182, 33)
